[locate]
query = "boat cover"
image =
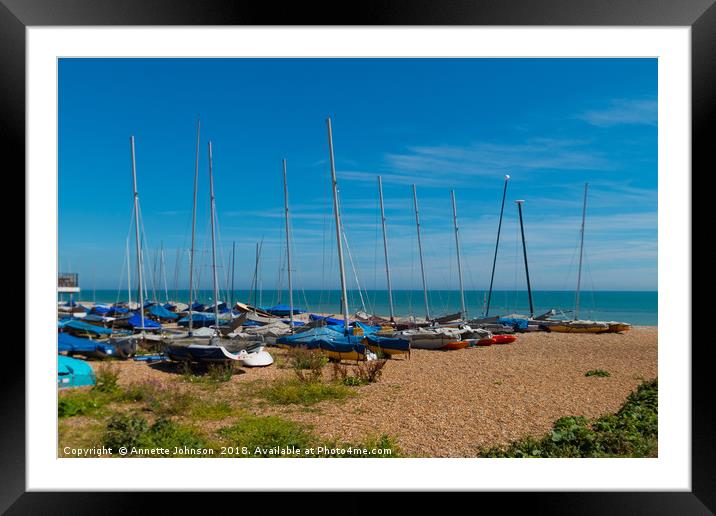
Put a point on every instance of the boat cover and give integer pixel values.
(135, 321)
(162, 313)
(72, 372)
(74, 324)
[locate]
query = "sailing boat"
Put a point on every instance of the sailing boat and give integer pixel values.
(583, 326)
(195, 349)
(380, 343)
(336, 340)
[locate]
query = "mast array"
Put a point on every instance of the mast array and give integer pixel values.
(336, 211)
(420, 251)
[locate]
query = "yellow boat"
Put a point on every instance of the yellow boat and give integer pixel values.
(578, 327)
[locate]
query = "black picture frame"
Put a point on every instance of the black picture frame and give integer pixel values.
(700, 15)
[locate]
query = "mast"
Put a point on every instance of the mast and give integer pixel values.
(420, 251)
(497, 244)
(233, 267)
(136, 233)
(254, 287)
(581, 251)
(193, 231)
(336, 211)
(129, 276)
(213, 239)
(385, 250)
(457, 248)
(288, 244)
(162, 266)
(524, 252)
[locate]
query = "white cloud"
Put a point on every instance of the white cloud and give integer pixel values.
(623, 111)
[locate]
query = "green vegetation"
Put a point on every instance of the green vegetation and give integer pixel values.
(597, 372)
(133, 431)
(205, 411)
(307, 364)
(364, 373)
(261, 433)
(106, 379)
(81, 404)
(288, 392)
(631, 432)
(211, 376)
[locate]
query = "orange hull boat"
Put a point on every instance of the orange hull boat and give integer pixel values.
(458, 344)
(485, 342)
(504, 339)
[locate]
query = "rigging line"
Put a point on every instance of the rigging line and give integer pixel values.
(355, 273)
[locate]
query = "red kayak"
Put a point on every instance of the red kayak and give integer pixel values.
(485, 342)
(504, 339)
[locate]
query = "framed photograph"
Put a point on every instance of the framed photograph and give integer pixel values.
(455, 238)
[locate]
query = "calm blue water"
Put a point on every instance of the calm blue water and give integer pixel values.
(639, 308)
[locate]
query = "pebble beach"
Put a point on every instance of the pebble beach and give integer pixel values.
(454, 403)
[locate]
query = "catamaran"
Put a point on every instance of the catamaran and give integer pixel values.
(577, 325)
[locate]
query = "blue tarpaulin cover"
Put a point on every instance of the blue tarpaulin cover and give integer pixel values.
(162, 313)
(329, 320)
(67, 343)
(136, 322)
(78, 325)
(283, 310)
(198, 320)
(514, 322)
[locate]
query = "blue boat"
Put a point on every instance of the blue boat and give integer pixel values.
(162, 313)
(117, 310)
(387, 345)
(199, 320)
(329, 339)
(72, 372)
(135, 321)
(283, 310)
(118, 347)
(81, 328)
(327, 319)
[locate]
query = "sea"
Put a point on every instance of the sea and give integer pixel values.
(638, 308)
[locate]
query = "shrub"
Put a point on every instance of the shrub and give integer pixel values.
(370, 371)
(133, 431)
(597, 372)
(631, 432)
(307, 364)
(128, 430)
(106, 379)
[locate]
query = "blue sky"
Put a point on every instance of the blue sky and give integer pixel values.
(443, 124)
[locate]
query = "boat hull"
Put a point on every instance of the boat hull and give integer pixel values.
(504, 339)
(458, 344)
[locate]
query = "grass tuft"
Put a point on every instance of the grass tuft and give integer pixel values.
(294, 391)
(597, 372)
